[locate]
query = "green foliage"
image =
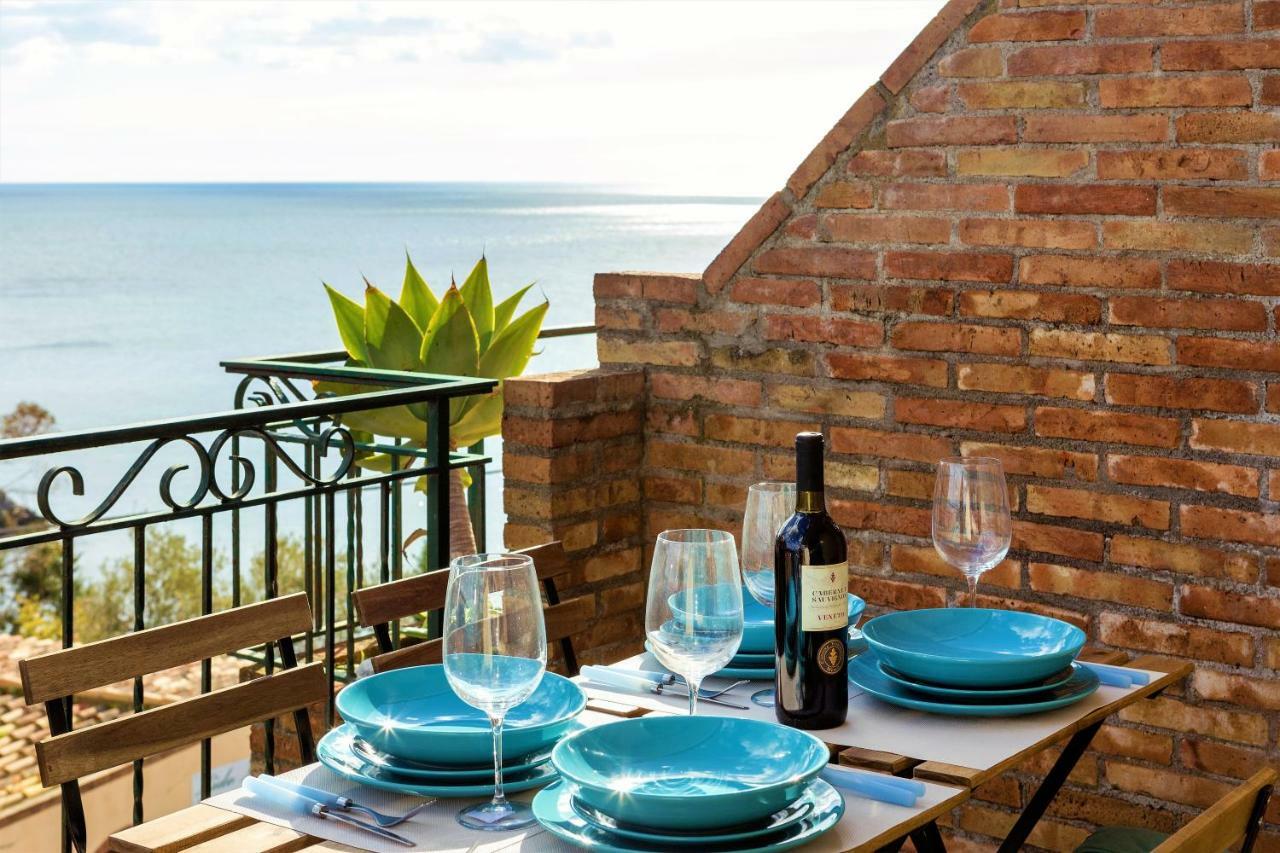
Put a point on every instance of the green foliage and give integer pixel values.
(460, 334)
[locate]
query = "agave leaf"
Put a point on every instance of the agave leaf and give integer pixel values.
(451, 345)
(512, 349)
(416, 297)
(350, 318)
(479, 298)
(506, 309)
(397, 421)
(396, 346)
(480, 421)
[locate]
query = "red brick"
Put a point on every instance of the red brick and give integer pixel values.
(1098, 506)
(877, 515)
(1029, 26)
(956, 337)
(1063, 541)
(1179, 91)
(1028, 233)
(1113, 128)
(1133, 743)
(1225, 606)
(1153, 236)
(917, 447)
(905, 299)
(1097, 346)
(619, 319)
(845, 402)
(926, 561)
(721, 389)
(1066, 60)
(1106, 586)
(821, 262)
(1019, 94)
(1229, 314)
(844, 194)
(1021, 379)
(1207, 756)
(772, 291)
(1026, 305)
(1228, 127)
(761, 224)
(1149, 635)
(1211, 522)
(1266, 15)
(689, 320)
(897, 595)
(958, 130)
(828, 330)
(695, 457)
(877, 229)
(1217, 277)
(898, 163)
(1235, 436)
(1176, 164)
(1270, 90)
(972, 62)
(959, 414)
(1169, 392)
(804, 227)
(887, 368)
(990, 198)
(1074, 271)
(1184, 558)
(1075, 617)
(1183, 474)
(1185, 21)
(840, 137)
(949, 266)
(1082, 199)
(931, 99)
(1221, 55)
(744, 430)
(669, 353)
(1106, 425)
(1222, 352)
(1037, 461)
(1168, 713)
(1269, 165)
(1178, 786)
(1240, 202)
(685, 490)
(1021, 162)
(926, 43)
(909, 484)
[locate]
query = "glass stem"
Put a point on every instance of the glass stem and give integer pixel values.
(692, 684)
(499, 799)
(973, 589)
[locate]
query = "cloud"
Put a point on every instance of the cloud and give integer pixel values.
(346, 30)
(75, 22)
(500, 48)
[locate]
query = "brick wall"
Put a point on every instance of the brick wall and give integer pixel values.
(1045, 234)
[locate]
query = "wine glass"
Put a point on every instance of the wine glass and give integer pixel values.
(495, 652)
(769, 505)
(693, 618)
(971, 525)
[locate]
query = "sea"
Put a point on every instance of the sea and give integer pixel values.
(117, 302)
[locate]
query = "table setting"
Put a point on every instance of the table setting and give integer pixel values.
(755, 674)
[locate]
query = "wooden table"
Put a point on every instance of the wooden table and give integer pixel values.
(874, 826)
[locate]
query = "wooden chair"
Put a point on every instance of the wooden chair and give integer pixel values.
(52, 678)
(379, 606)
(1235, 817)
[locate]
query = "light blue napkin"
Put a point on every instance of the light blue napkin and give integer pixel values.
(875, 786)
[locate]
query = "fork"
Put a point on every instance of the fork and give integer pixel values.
(337, 801)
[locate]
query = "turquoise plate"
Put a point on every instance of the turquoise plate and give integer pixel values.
(440, 773)
(757, 620)
(978, 692)
(973, 646)
(761, 659)
(413, 713)
(753, 672)
(553, 807)
(689, 773)
(817, 798)
(334, 751)
(865, 673)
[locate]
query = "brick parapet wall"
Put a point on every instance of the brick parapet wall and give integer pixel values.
(1053, 241)
(572, 443)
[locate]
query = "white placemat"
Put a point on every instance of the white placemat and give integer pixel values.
(977, 742)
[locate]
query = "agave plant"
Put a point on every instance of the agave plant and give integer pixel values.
(462, 333)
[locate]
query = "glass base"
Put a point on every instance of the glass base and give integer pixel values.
(497, 817)
(763, 698)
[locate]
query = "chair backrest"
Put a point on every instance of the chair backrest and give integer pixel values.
(1233, 818)
(51, 678)
(379, 606)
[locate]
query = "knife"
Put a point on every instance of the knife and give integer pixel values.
(291, 801)
(627, 681)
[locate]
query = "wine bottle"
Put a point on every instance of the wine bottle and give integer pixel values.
(811, 623)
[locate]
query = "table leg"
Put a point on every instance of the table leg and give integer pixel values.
(927, 839)
(1049, 788)
(892, 846)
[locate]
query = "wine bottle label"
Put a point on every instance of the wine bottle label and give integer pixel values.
(824, 597)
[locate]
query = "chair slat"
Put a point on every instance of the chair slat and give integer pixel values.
(74, 670)
(177, 830)
(78, 753)
(549, 559)
(258, 838)
(1222, 824)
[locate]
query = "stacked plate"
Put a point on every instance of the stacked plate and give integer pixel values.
(407, 731)
(696, 783)
(754, 658)
(973, 662)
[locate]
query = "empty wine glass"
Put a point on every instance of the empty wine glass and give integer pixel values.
(693, 618)
(769, 505)
(971, 525)
(495, 652)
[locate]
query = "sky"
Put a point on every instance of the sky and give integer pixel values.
(695, 96)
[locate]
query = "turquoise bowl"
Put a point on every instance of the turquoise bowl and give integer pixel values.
(413, 713)
(689, 773)
(757, 620)
(973, 646)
